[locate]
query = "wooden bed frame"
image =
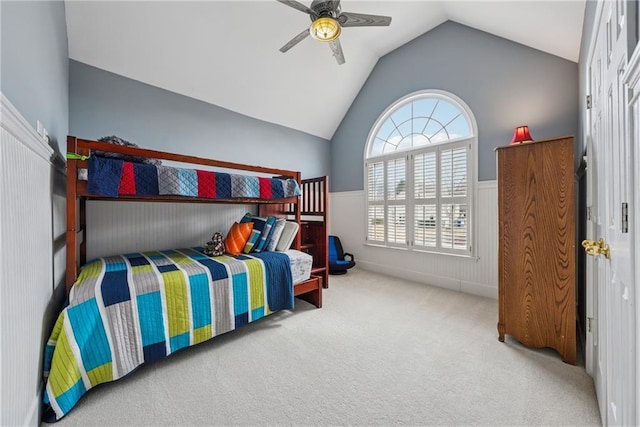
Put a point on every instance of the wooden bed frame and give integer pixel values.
(80, 149)
(313, 210)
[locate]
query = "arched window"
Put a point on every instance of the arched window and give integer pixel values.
(420, 176)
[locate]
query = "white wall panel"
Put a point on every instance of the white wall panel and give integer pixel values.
(59, 212)
(482, 279)
(115, 227)
(26, 270)
(476, 275)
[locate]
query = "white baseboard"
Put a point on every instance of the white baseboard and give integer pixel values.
(33, 416)
(479, 289)
(433, 280)
(414, 276)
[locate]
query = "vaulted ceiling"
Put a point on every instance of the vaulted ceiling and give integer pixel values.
(227, 52)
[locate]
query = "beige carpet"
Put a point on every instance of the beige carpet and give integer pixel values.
(382, 351)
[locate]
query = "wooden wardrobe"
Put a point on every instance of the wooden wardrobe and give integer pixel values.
(536, 246)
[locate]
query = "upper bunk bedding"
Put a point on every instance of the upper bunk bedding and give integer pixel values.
(116, 177)
(130, 309)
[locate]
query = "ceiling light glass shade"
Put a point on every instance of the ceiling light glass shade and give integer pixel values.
(325, 29)
(521, 134)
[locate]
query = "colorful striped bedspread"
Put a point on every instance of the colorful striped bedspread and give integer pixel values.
(127, 310)
(115, 177)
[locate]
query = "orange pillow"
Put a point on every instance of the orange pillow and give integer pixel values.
(237, 237)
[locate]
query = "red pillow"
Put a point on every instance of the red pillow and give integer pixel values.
(237, 237)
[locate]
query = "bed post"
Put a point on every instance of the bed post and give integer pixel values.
(75, 210)
(325, 230)
(298, 241)
(83, 227)
(72, 174)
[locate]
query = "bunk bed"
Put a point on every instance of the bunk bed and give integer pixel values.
(166, 300)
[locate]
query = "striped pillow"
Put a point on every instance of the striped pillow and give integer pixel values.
(261, 229)
(237, 237)
(266, 233)
(255, 233)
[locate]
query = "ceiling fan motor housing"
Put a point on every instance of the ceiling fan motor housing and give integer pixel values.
(326, 8)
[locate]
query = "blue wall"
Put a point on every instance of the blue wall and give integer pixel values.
(504, 83)
(102, 103)
(35, 64)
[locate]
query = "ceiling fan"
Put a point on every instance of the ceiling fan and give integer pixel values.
(327, 21)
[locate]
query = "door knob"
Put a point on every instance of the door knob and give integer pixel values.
(593, 248)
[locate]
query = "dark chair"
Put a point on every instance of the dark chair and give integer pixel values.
(339, 261)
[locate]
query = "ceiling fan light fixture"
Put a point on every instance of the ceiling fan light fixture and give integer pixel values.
(325, 29)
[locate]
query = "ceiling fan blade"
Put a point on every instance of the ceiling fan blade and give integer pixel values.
(294, 41)
(336, 48)
(299, 6)
(349, 19)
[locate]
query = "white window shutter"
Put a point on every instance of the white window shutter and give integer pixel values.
(419, 174)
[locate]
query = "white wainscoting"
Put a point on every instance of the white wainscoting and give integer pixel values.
(26, 265)
(476, 276)
(115, 227)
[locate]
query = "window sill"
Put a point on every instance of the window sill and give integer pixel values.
(423, 251)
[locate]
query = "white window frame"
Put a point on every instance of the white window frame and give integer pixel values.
(471, 142)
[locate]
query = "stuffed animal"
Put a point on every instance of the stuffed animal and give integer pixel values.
(215, 246)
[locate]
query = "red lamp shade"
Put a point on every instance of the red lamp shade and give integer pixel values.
(521, 134)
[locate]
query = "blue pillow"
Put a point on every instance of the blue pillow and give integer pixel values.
(266, 234)
(259, 235)
(254, 236)
(274, 236)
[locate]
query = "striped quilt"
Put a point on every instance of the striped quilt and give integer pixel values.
(115, 177)
(130, 309)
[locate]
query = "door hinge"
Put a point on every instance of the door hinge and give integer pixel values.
(588, 213)
(588, 102)
(589, 319)
(625, 217)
